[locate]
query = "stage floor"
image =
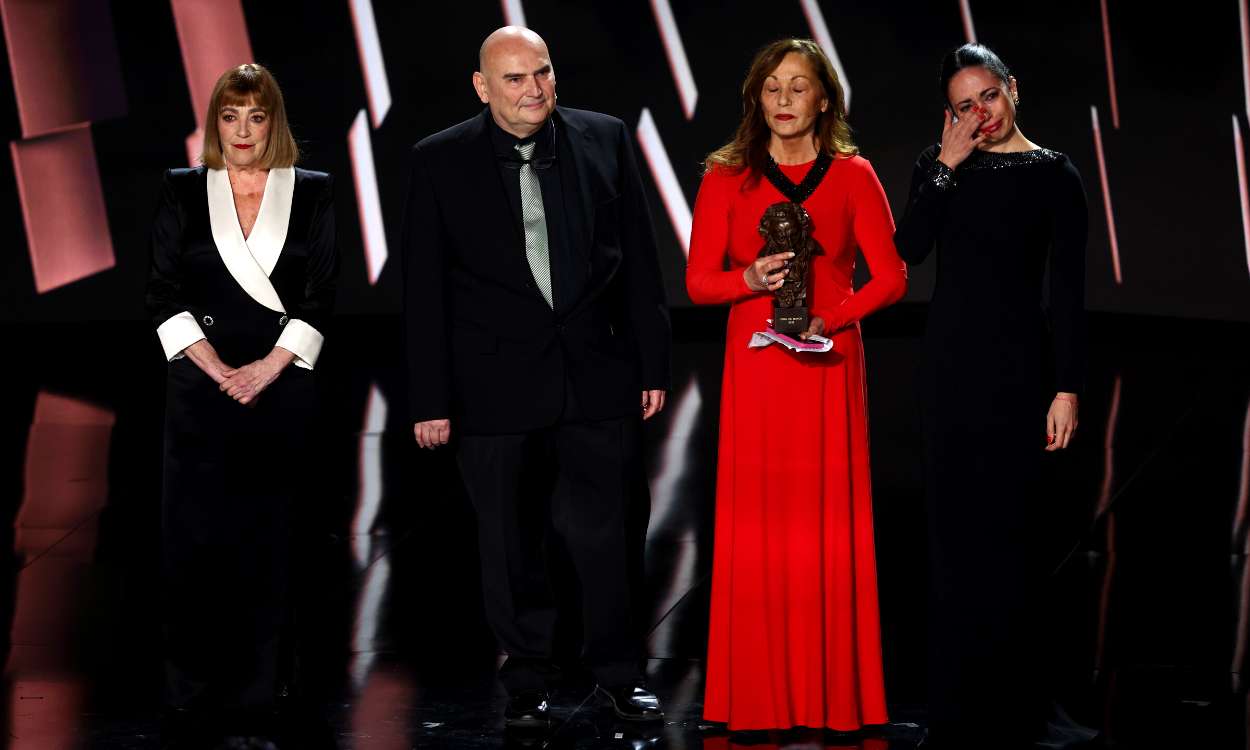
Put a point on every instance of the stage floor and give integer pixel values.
(1150, 535)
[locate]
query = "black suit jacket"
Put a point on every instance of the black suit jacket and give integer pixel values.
(484, 348)
(188, 273)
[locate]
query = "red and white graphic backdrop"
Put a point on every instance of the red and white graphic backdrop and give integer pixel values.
(106, 95)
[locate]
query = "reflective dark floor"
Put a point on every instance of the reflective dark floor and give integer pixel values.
(1151, 526)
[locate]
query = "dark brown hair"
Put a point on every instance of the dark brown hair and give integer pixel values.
(749, 147)
(971, 56)
(250, 82)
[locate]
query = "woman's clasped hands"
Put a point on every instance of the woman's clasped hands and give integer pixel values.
(243, 384)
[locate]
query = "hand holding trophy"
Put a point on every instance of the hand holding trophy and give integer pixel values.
(787, 227)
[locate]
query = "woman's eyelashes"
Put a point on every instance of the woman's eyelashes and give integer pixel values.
(256, 119)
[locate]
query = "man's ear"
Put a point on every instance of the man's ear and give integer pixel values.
(479, 85)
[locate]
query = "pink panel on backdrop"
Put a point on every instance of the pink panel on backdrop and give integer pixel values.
(45, 712)
(1105, 495)
(50, 595)
(213, 37)
(365, 178)
(1106, 46)
(513, 12)
(1243, 190)
(970, 27)
(66, 482)
(1243, 13)
(63, 56)
(387, 694)
(1106, 197)
(195, 146)
(51, 408)
(66, 473)
(67, 227)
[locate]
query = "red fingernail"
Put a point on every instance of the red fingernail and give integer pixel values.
(1050, 438)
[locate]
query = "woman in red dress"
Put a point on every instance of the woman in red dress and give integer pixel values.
(794, 634)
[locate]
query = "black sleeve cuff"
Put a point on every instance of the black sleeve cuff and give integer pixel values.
(939, 177)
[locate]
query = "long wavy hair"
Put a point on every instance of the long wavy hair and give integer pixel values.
(749, 147)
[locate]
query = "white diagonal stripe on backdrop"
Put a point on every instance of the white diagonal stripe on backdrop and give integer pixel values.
(665, 179)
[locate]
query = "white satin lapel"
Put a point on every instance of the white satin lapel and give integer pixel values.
(269, 233)
(228, 237)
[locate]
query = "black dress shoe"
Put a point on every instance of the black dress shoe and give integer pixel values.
(528, 709)
(633, 703)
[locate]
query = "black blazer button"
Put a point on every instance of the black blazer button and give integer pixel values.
(207, 320)
(283, 320)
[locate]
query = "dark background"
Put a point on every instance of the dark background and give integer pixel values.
(1173, 179)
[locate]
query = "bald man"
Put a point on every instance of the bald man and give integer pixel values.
(538, 342)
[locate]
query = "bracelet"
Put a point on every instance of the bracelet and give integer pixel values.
(1065, 397)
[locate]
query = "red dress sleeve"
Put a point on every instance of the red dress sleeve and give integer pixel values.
(873, 228)
(707, 281)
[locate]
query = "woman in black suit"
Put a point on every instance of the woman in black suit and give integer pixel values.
(242, 282)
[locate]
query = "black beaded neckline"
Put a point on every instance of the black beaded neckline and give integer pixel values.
(982, 160)
(802, 191)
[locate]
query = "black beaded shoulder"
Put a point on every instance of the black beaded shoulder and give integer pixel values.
(802, 191)
(980, 161)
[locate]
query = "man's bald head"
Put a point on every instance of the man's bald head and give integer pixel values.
(516, 79)
(508, 38)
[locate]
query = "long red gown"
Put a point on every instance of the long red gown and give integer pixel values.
(794, 634)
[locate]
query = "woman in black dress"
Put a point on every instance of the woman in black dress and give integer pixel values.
(243, 272)
(1001, 370)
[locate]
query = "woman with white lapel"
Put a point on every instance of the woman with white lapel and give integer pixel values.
(243, 274)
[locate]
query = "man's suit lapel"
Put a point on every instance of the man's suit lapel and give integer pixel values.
(602, 264)
(582, 220)
(576, 180)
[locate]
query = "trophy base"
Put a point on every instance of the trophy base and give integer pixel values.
(790, 320)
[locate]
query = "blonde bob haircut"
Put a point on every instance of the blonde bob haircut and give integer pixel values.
(250, 83)
(748, 150)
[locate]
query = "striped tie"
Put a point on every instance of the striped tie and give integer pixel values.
(535, 221)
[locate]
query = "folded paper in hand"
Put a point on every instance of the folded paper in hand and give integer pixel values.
(760, 339)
